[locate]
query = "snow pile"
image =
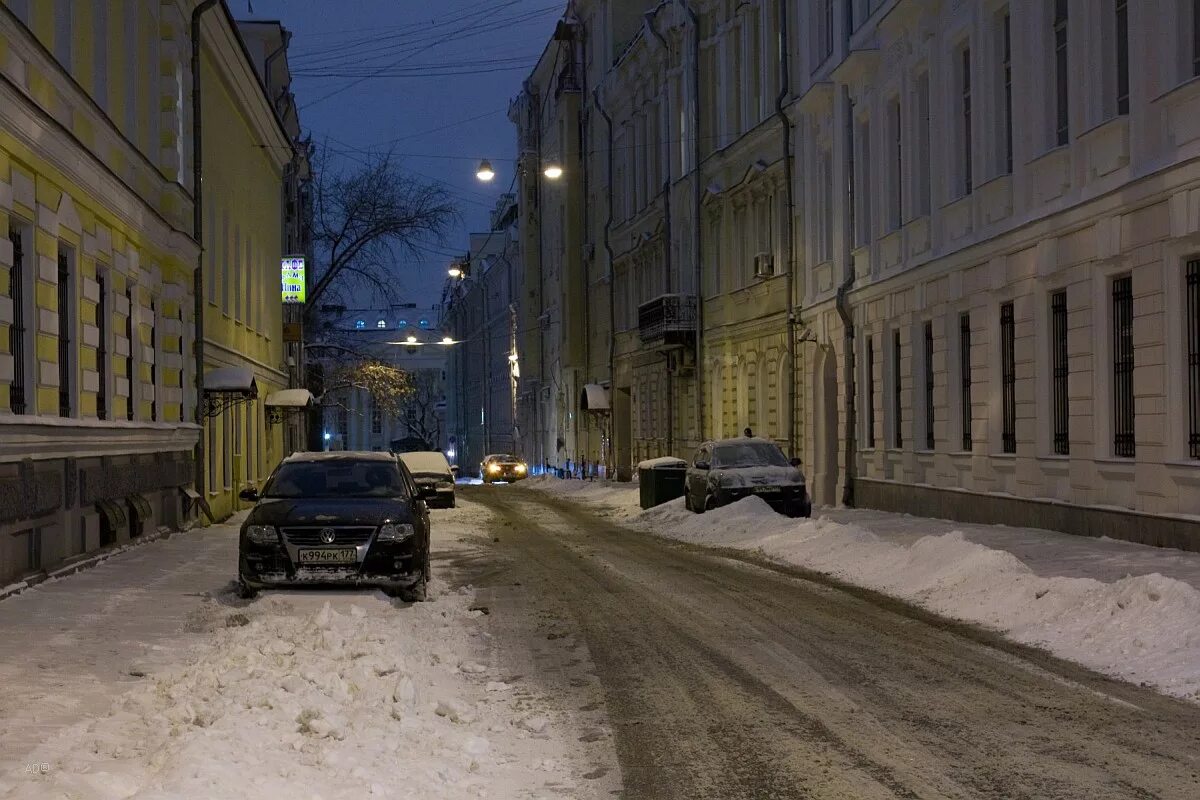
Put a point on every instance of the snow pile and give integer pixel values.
(619, 500)
(296, 698)
(1144, 628)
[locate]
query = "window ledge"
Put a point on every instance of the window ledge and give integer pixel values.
(1110, 124)
(1054, 153)
(1180, 92)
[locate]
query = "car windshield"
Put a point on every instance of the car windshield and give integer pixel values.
(336, 478)
(503, 457)
(748, 454)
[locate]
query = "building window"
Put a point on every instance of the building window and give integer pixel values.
(102, 345)
(376, 419)
(862, 235)
(1121, 12)
(381, 323)
(360, 324)
(1192, 331)
(851, 174)
(343, 421)
(1122, 327)
(1008, 378)
(897, 409)
(65, 308)
(827, 26)
(153, 361)
(870, 392)
(964, 356)
(130, 374)
(923, 143)
(16, 330)
(1006, 68)
(1062, 128)
(30, 541)
(929, 416)
(211, 422)
(965, 155)
(1059, 372)
(897, 176)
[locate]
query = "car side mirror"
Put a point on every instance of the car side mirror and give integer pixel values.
(795, 462)
(701, 465)
(249, 494)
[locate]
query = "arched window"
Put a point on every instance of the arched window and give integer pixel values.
(360, 323)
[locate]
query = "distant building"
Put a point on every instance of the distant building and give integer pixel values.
(350, 420)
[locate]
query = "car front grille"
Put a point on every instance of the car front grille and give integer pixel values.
(310, 536)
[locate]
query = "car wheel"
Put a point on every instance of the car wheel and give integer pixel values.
(710, 502)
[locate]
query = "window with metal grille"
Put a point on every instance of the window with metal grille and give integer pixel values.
(343, 420)
(1008, 378)
(130, 374)
(16, 330)
(1122, 328)
(1006, 67)
(897, 407)
(154, 361)
(929, 418)
(1192, 331)
(102, 346)
(964, 368)
(376, 419)
(1062, 128)
(1121, 24)
(1059, 372)
(64, 332)
(870, 404)
(966, 120)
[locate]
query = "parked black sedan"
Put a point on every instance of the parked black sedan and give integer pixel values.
(344, 518)
(725, 471)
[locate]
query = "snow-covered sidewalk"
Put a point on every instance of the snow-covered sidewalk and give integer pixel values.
(1127, 610)
(298, 694)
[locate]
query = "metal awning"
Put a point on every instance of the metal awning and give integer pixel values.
(290, 398)
(225, 387)
(594, 398)
(140, 504)
(112, 513)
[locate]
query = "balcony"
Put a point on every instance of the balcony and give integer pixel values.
(668, 320)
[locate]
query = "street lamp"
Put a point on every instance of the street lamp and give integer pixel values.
(485, 172)
(447, 340)
(411, 339)
(553, 171)
(455, 272)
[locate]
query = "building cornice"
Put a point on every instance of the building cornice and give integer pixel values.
(39, 438)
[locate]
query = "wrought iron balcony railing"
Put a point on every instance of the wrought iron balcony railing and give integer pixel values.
(668, 319)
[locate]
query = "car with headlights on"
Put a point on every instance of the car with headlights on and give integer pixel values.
(725, 471)
(340, 518)
(433, 475)
(502, 467)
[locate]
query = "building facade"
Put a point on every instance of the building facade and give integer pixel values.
(96, 265)
(945, 252)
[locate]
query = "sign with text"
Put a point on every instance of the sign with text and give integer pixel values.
(293, 279)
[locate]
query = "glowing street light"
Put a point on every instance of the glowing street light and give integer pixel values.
(512, 356)
(447, 340)
(411, 339)
(553, 171)
(485, 172)
(455, 272)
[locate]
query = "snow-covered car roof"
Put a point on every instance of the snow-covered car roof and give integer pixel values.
(340, 455)
(426, 461)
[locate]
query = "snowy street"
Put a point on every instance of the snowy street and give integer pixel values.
(569, 653)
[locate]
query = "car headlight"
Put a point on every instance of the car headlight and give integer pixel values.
(395, 533)
(520, 467)
(262, 534)
(493, 468)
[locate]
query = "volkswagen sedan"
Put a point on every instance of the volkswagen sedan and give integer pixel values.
(345, 518)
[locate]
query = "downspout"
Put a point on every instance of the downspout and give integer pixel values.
(696, 241)
(789, 227)
(198, 235)
(667, 283)
(843, 310)
(275, 54)
(612, 292)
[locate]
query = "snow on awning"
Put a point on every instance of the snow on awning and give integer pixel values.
(289, 398)
(594, 398)
(237, 380)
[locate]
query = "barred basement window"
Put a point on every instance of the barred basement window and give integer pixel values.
(897, 410)
(1008, 378)
(1122, 327)
(1059, 374)
(65, 307)
(964, 352)
(870, 392)
(929, 419)
(1192, 331)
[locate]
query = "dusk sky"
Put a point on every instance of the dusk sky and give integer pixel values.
(441, 76)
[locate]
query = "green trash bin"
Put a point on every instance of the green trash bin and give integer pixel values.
(661, 480)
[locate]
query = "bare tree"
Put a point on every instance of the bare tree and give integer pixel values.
(365, 219)
(418, 407)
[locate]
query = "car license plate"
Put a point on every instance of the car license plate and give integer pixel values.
(766, 489)
(332, 555)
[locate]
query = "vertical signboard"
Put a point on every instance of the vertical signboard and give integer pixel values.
(292, 268)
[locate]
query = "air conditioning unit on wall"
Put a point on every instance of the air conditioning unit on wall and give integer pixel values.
(764, 265)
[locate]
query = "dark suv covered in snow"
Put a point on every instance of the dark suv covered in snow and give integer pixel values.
(728, 470)
(336, 518)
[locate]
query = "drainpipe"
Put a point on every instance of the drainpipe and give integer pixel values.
(696, 241)
(612, 292)
(843, 309)
(275, 54)
(789, 243)
(198, 235)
